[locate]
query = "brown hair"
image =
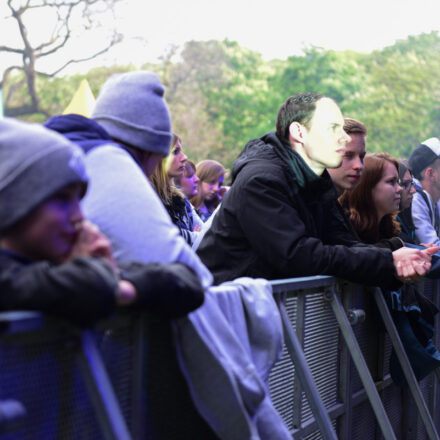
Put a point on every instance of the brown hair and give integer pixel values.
(298, 108)
(353, 126)
(162, 185)
(359, 201)
(207, 171)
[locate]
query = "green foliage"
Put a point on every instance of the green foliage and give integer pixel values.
(227, 87)
(338, 75)
(222, 95)
(400, 102)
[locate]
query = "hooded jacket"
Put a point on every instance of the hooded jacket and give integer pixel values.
(278, 223)
(122, 202)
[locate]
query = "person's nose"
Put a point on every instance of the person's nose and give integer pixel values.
(184, 157)
(398, 189)
(76, 214)
(358, 164)
(345, 138)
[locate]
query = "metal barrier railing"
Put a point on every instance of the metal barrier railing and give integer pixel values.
(56, 371)
(115, 382)
(334, 418)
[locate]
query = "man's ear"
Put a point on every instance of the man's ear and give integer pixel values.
(429, 172)
(297, 132)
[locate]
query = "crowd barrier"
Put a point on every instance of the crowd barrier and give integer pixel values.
(122, 380)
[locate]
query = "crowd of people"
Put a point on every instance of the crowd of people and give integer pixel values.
(305, 199)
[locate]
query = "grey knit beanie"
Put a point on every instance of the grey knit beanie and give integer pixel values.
(132, 109)
(35, 162)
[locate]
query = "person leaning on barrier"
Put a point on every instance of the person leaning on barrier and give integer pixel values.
(280, 218)
(126, 138)
(347, 175)
(373, 206)
(51, 259)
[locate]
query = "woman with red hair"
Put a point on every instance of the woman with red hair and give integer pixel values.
(373, 204)
(372, 207)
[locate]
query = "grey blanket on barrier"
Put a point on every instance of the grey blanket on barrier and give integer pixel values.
(226, 350)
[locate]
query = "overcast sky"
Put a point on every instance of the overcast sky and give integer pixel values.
(279, 28)
(275, 28)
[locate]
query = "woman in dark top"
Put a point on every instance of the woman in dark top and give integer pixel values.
(374, 204)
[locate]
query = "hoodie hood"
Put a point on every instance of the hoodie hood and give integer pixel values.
(255, 150)
(299, 175)
(83, 131)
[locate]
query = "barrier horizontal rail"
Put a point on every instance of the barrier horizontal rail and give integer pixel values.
(299, 283)
(340, 407)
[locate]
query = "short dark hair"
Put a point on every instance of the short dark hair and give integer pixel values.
(353, 126)
(298, 108)
(403, 168)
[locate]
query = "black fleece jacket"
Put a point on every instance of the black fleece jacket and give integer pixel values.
(275, 223)
(83, 290)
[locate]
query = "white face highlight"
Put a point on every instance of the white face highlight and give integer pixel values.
(323, 143)
(176, 161)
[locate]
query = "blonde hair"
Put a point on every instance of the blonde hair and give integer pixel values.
(162, 185)
(176, 139)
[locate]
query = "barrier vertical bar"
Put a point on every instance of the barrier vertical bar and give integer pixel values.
(361, 366)
(345, 382)
(100, 389)
(301, 367)
(299, 333)
(406, 366)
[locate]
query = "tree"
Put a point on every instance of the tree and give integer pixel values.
(399, 102)
(216, 93)
(337, 74)
(60, 18)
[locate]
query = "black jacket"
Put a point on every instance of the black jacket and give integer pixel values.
(277, 224)
(84, 290)
(81, 291)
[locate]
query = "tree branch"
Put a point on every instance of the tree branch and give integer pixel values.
(80, 60)
(11, 49)
(7, 72)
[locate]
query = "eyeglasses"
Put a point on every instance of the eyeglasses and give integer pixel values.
(406, 183)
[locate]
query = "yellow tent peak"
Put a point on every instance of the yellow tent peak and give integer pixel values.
(82, 102)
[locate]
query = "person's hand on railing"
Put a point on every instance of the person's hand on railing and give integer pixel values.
(412, 264)
(427, 245)
(126, 294)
